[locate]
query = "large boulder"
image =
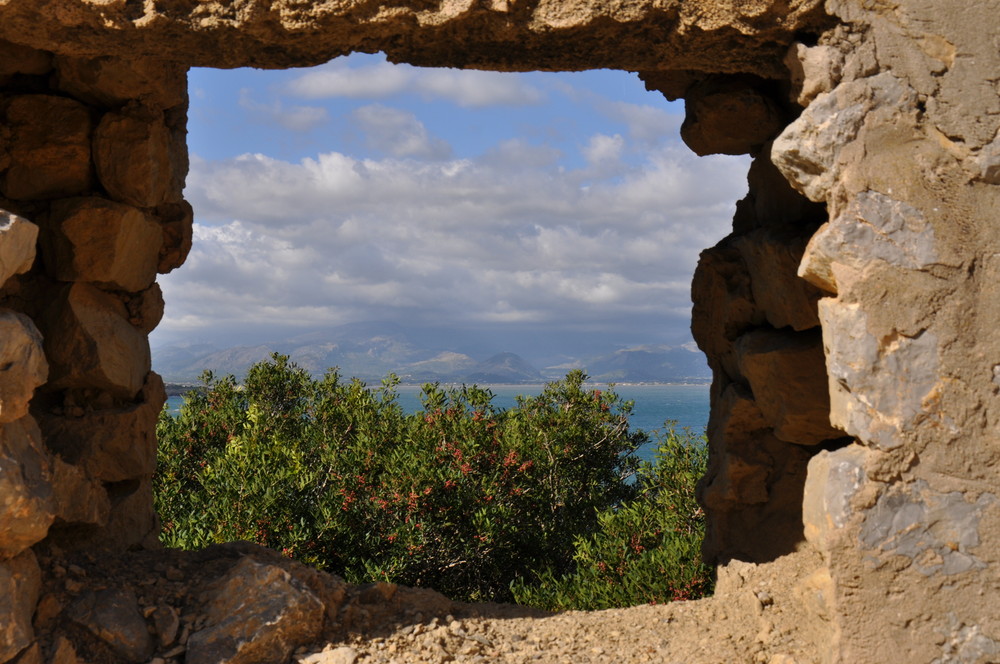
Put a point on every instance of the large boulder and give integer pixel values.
(258, 613)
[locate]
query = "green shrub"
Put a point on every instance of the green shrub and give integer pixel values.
(461, 497)
(645, 550)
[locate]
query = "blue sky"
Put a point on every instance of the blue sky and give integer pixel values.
(556, 211)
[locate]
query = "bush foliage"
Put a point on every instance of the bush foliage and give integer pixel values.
(545, 502)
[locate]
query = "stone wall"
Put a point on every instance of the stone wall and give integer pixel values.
(92, 164)
(849, 319)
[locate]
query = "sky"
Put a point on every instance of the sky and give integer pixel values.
(556, 211)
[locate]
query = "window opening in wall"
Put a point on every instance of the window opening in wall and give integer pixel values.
(444, 225)
(554, 216)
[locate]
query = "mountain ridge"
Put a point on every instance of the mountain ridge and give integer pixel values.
(371, 352)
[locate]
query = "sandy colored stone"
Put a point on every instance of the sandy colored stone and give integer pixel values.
(20, 584)
(90, 343)
(729, 116)
(109, 244)
(556, 34)
(814, 70)
(22, 364)
(49, 148)
(27, 504)
(132, 155)
(723, 303)
(772, 258)
(17, 245)
(787, 374)
(109, 82)
(834, 479)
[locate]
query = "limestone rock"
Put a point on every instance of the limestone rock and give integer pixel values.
(833, 480)
(728, 116)
(772, 258)
(103, 242)
(814, 70)
(20, 585)
(111, 445)
(787, 374)
(17, 245)
(111, 82)
(257, 614)
(90, 343)
(113, 616)
(880, 385)
(49, 148)
(27, 505)
(873, 229)
(807, 151)
(132, 154)
(22, 364)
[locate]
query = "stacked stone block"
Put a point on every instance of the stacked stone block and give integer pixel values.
(92, 162)
(757, 321)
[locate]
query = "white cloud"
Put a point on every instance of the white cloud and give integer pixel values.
(603, 149)
(509, 237)
(295, 118)
(398, 133)
(467, 88)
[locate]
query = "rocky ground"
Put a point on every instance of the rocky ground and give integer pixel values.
(240, 604)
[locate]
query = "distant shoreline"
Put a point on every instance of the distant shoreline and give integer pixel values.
(181, 388)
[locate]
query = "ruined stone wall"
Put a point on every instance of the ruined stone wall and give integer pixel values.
(850, 318)
(92, 163)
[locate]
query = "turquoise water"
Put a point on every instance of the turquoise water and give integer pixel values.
(654, 404)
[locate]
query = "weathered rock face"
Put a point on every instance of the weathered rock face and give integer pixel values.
(850, 319)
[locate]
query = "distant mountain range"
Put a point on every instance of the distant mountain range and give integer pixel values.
(370, 352)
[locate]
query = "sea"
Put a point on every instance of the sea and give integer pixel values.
(654, 404)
